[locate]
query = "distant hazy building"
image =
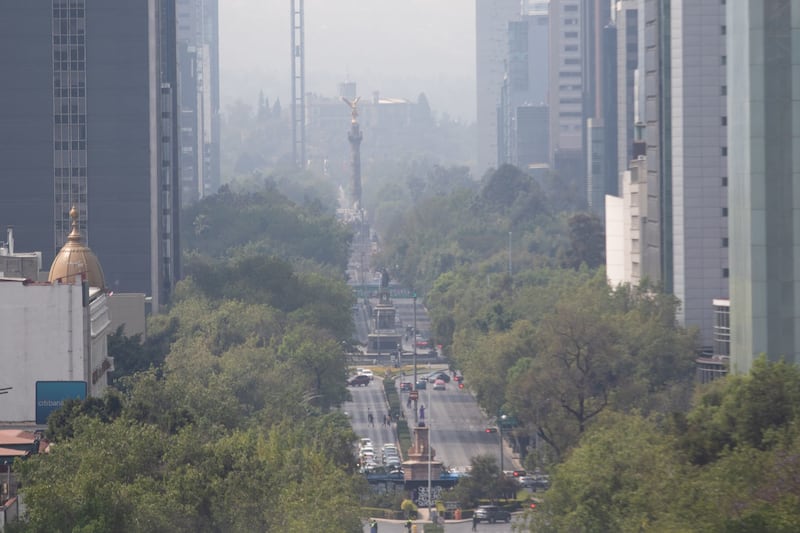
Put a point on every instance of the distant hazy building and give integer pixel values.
(764, 178)
(524, 92)
(629, 81)
(565, 95)
(198, 60)
(491, 55)
(599, 45)
(89, 118)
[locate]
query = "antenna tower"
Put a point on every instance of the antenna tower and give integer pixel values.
(298, 84)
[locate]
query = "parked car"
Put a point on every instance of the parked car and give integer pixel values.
(358, 381)
(492, 514)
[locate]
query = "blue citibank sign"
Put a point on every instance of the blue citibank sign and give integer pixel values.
(50, 395)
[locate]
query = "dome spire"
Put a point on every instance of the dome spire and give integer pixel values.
(75, 260)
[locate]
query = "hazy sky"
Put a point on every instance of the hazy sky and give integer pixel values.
(398, 47)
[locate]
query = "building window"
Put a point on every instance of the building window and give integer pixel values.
(723, 29)
(723, 90)
(724, 60)
(724, 242)
(724, 151)
(725, 181)
(724, 211)
(725, 273)
(723, 121)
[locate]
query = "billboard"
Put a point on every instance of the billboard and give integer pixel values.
(50, 395)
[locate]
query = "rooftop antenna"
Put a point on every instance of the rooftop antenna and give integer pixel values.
(298, 84)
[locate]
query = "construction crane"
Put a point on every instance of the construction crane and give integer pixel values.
(298, 84)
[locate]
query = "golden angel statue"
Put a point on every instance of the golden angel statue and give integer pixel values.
(352, 103)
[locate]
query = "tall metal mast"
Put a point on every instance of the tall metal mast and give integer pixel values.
(298, 84)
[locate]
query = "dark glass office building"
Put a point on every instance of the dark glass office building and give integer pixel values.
(89, 119)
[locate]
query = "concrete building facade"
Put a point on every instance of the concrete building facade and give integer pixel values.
(699, 163)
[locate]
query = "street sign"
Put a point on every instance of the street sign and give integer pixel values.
(413, 394)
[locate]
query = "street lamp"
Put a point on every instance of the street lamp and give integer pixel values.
(378, 332)
(502, 421)
(430, 435)
(414, 343)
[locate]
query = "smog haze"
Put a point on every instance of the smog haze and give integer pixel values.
(399, 48)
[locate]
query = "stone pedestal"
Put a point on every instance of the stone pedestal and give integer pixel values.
(420, 455)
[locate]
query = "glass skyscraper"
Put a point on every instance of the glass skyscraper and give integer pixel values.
(764, 179)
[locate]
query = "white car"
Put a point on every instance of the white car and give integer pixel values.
(367, 372)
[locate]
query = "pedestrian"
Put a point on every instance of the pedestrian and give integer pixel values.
(371, 420)
(408, 525)
(373, 526)
(475, 522)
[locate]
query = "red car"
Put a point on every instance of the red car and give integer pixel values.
(405, 386)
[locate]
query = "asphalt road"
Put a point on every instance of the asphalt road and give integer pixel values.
(464, 526)
(457, 424)
(366, 400)
(458, 427)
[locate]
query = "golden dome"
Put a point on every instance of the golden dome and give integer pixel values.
(76, 259)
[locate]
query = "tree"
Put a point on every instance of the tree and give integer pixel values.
(587, 241)
(620, 478)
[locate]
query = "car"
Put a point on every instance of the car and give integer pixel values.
(492, 514)
(406, 386)
(422, 384)
(491, 429)
(364, 441)
(367, 372)
(525, 481)
(439, 375)
(358, 381)
(439, 385)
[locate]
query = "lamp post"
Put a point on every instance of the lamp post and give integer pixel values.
(430, 435)
(378, 333)
(414, 343)
(502, 421)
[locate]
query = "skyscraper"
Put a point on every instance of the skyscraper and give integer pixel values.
(764, 180)
(198, 60)
(523, 121)
(699, 166)
(89, 119)
(491, 42)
